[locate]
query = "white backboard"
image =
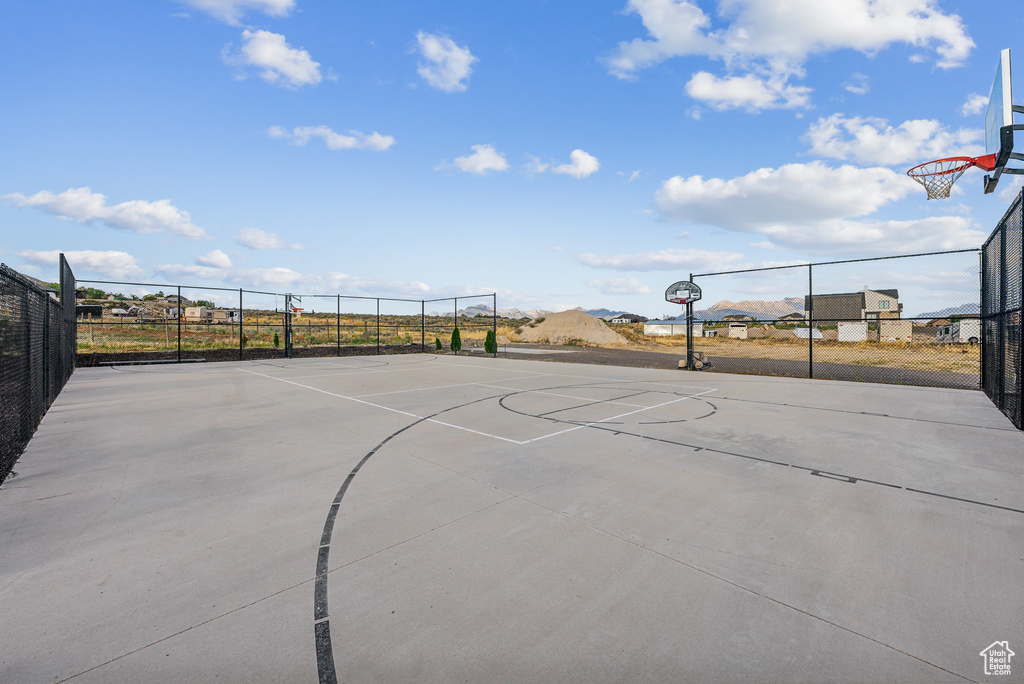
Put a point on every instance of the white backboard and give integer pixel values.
(1000, 105)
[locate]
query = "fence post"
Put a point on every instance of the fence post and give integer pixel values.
(984, 308)
(339, 326)
(241, 332)
(689, 333)
(423, 326)
(378, 325)
(810, 321)
(1003, 287)
(181, 314)
(494, 310)
(46, 350)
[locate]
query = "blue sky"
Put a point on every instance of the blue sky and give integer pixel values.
(570, 153)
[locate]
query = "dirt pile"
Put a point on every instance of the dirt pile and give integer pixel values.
(571, 327)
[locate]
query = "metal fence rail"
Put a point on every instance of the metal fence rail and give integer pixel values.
(255, 324)
(909, 319)
(37, 355)
(1001, 301)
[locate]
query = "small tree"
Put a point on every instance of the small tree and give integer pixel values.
(490, 344)
(277, 340)
(437, 343)
(456, 345)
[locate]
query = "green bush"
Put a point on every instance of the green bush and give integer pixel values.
(490, 344)
(277, 340)
(456, 345)
(437, 343)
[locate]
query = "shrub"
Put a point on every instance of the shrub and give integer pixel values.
(437, 343)
(277, 340)
(490, 344)
(456, 345)
(245, 340)
(538, 320)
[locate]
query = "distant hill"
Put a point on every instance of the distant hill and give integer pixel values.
(606, 314)
(953, 311)
(754, 308)
(484, 310)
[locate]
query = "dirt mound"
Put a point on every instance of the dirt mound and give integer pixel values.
(569, 327)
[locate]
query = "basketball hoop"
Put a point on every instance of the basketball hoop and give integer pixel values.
(938, 176)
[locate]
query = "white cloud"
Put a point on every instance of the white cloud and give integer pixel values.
(231, 11)
(874, 141)
(620, 286)
(810, 207)
(277, 276)
(858, 84)
(747, 92)
(138, 216)
(484, 158)
(663, 260)
(446, 66)
(116, 265)
(254, 238)
(1009, 187)
(974, 105)
(535, 166)
(215, 259)
(281, 64)
(334, 141)
(774, 38)
(580, 165)
(629, 177)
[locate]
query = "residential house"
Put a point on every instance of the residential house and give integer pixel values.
(867, 305)
(628, 318)
(672, 327)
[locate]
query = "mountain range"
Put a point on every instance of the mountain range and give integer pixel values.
(754, 308)
(512, 312)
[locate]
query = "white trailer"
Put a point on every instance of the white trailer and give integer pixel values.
(967, 331)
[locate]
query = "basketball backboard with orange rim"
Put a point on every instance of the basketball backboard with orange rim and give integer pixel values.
(682, 292)
(999, 126)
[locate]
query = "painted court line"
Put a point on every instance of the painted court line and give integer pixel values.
(552, 394)
(465, 429)
(386, 408)
(462, 384)
(621, 415)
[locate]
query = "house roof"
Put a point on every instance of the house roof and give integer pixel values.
(671, 321)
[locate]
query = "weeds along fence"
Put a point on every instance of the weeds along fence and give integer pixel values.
(911, 319)
(184, 323)
(1002, 361)
(37, 354)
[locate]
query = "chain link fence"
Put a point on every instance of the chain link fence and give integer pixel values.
(912, 320)
(37, 354)
(1001, 301)
(182, 323)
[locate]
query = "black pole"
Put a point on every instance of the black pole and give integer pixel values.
(689, 333)
(378, 325)
(810, 322)
(241, 333)
(339, 325)
(982, 340)
(46, 350)
(181, 312)
(423, 326)
(494, 300)
(456, 317)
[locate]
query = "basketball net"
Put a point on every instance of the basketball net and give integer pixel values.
(938, 176)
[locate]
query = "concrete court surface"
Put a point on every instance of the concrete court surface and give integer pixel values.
(508, 521)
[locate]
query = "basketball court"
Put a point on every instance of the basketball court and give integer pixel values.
(457, 518)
